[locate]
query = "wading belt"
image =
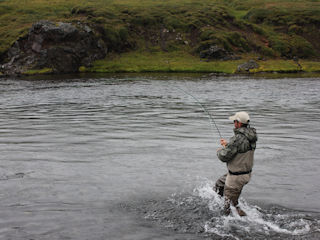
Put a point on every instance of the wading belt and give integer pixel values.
(239, 173)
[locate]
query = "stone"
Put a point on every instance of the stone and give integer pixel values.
(214, 52)
(61, 46)
(217, 53)
(245, 67)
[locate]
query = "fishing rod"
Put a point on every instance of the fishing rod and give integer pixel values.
(212, 122)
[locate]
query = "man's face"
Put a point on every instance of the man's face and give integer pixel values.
(237, 124)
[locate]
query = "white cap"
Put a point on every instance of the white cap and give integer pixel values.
(242, 117)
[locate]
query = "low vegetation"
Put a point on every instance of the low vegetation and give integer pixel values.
(169, 35)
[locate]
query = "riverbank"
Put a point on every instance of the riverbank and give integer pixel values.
(217, 36)
(180, 62)
(183, 62)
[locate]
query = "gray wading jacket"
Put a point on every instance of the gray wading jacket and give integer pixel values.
(238, 154)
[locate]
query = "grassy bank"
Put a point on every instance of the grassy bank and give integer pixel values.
(184, 62)
(161, 62)
(169, 35)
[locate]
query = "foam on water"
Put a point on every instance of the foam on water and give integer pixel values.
(201, 213)
(257, 220)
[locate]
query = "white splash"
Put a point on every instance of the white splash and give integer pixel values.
(256, 220)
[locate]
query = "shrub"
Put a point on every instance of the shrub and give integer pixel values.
(301, 47)
(295, 29)
(5, 9)
(207, 34)
(235, 39)
(268, 52)
(123, 34)
(257, 15)
(148, 18)
(290, 46)
(99, 20)
(83, 10)
(172, 22)
(228, 40)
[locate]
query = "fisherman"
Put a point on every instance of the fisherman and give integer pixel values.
(238, 154)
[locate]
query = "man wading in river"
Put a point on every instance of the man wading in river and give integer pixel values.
(238, 154)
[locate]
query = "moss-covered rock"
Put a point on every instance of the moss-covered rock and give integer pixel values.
(54, 47)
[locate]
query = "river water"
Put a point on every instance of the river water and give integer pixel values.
(134, 157)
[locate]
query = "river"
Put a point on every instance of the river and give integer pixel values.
(134, 157)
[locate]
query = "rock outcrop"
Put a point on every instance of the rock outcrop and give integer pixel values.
(245, 67)
(61, 47)
(217, 53)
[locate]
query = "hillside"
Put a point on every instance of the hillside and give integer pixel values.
(180, 35)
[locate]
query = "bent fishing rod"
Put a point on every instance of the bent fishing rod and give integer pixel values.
(212, 122)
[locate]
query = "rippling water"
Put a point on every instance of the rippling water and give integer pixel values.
(133, 157)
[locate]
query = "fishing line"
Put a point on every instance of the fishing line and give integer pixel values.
(212, 122)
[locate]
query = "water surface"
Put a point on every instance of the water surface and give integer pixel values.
(134, 157)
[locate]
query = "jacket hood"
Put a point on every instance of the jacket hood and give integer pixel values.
(249, 133)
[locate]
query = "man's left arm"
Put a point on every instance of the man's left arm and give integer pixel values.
(227, 153)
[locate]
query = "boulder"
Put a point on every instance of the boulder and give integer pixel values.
(245, 67)
(62, 47)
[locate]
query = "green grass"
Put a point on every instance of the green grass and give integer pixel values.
(309, 66)
(161, 62)
(38, 71)
(278, 65)
(137, 62)
(239, 13)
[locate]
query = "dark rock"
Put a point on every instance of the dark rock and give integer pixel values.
(245, 67)
(216, 52)
(14, 50)
(62, 47)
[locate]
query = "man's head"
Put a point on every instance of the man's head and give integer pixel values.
(240, 119)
